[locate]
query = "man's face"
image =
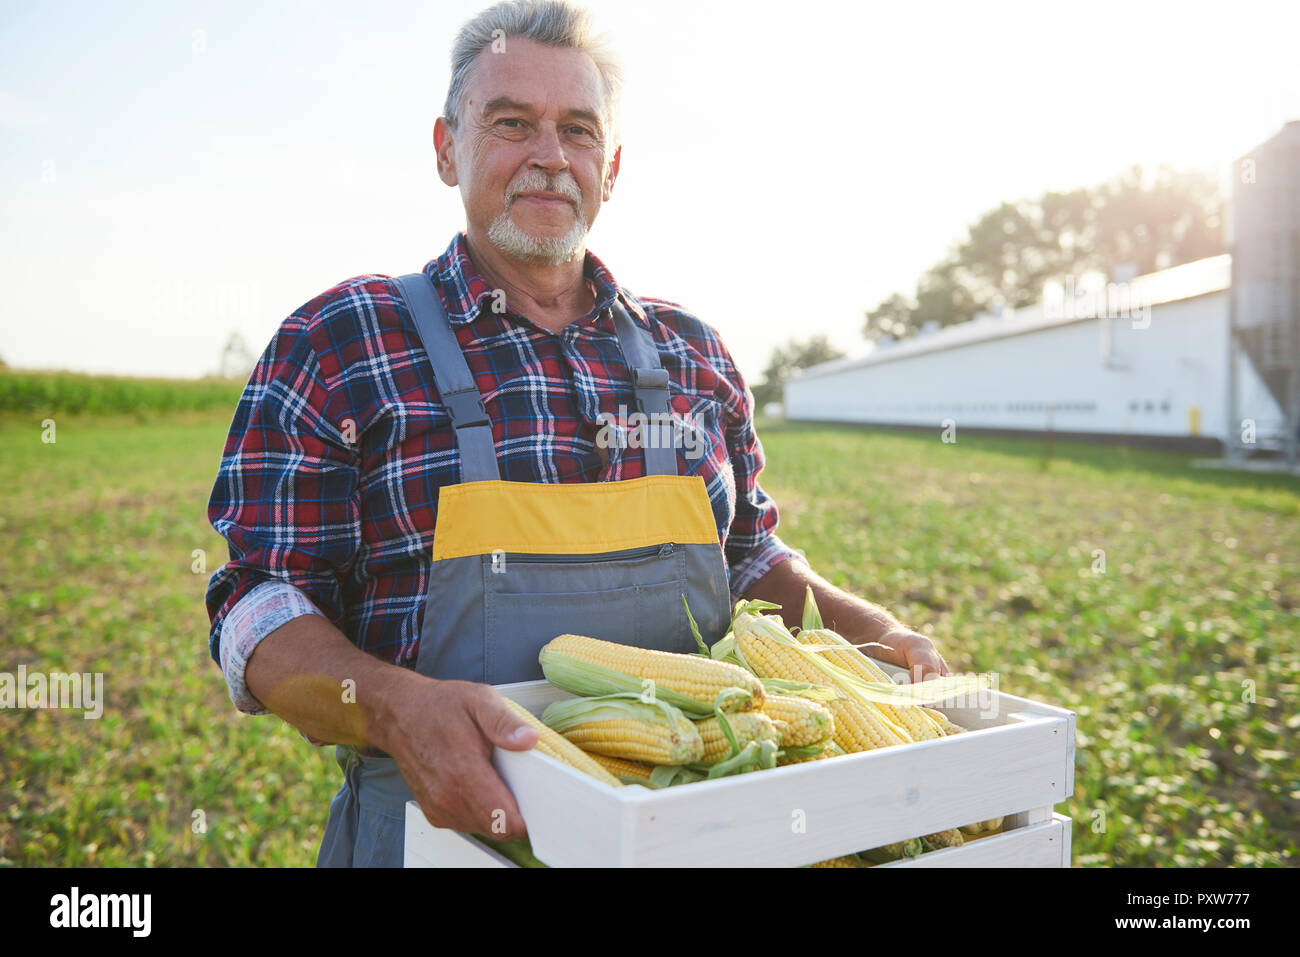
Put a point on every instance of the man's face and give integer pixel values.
(530, 154)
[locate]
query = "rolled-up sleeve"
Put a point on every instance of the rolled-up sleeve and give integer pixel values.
(261, 611)
(286, 499)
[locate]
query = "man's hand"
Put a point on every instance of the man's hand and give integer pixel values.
(916, 653)
(442, 739)
(440, 733)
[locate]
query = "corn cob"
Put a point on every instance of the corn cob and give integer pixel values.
(764, 645)
(949, 838)
(635, 740)
(859, 727)
(911, 718)
(623, 726)
(553, 745)
(918, 725)
(589, 666)
(942, 721)
(855, 673)
(771, 659)
(629, 772)
(808, 722)
(850, 860)
(982, 827)
(894, 852)
(749, 726)
(845, 654)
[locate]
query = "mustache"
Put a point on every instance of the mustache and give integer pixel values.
(567, 188)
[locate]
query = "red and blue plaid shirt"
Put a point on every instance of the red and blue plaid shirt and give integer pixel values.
(339, 446)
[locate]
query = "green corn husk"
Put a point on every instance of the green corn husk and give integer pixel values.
(912, 847)
(670, 776)
(806, 751)
(517, 852)
(812, 617)
(695, 630)
(724, 649)
(800, 689)
(754, 756)
(560, 716)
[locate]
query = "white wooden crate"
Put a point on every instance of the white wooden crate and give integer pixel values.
(1016, 762)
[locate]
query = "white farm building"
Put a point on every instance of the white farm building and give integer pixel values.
(1152, 365)
(1206, 353)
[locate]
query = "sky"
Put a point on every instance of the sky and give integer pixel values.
(173, 172)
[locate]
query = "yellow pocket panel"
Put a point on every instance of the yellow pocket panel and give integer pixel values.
(538, 518)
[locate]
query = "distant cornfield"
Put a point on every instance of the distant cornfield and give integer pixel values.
(64, 392)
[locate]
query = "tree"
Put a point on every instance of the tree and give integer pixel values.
(236, 360)
(893, 317)
(794, 354)
(1012, 251)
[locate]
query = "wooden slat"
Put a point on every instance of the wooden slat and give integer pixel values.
(573, 820)
(1038, 845)
(429, 846)
(534, 695)
(849, 803)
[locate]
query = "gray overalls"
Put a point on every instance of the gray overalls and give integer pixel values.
(517, 563)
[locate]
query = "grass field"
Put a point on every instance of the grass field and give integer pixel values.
(1181, 657)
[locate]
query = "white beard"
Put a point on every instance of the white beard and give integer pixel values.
(506, 236)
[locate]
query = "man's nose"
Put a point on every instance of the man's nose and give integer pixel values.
(549, 152)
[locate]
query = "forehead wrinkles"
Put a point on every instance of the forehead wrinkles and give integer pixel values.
(550, 84)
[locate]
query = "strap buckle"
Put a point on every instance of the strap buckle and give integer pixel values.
(466, 408)
(650, 378)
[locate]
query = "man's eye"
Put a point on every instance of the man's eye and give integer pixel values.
(509, 119)
(580, 130)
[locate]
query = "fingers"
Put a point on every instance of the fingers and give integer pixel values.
(493, 802)
(449, 764)
(466, 794)
(923, 658)
(926, 663)
(499, 724)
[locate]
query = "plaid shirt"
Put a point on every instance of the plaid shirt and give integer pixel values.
(339, 446)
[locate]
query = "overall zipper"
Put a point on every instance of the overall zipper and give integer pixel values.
(657, 551)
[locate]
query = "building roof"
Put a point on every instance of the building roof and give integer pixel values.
(1187, 281)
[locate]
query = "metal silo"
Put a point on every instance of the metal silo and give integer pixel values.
(1264, 319)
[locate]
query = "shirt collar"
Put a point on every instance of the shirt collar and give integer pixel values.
(465, 294)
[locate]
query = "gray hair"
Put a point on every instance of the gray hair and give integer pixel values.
(555, 23)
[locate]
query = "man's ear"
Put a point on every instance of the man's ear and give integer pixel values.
(442, 145)
(607, 189)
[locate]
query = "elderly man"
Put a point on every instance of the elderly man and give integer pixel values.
(429, 477)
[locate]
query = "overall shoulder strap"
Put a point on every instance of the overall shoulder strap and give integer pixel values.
(456, 388)
(650, 381)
